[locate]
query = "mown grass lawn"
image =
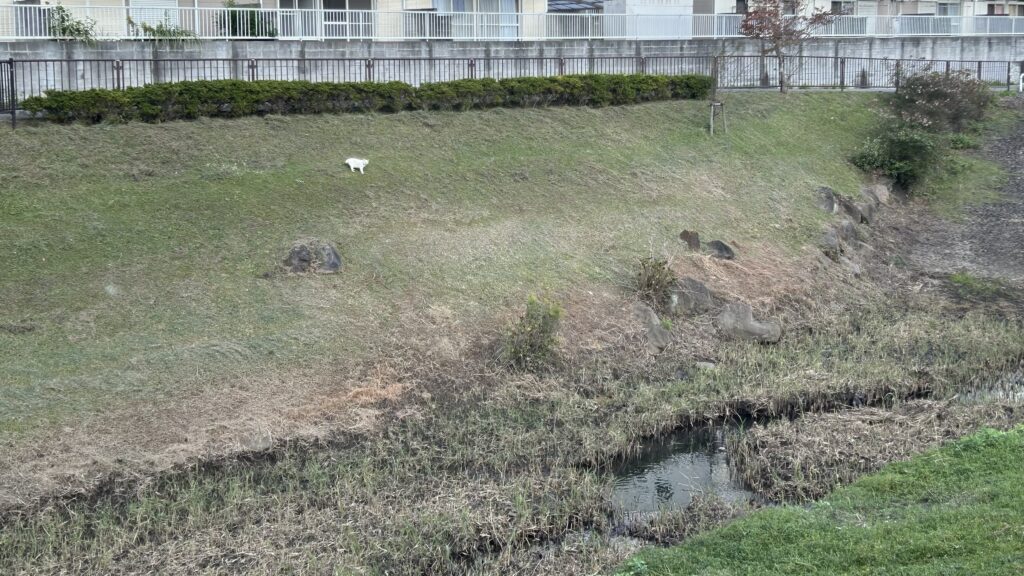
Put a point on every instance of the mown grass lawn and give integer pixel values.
(955, 510)
(135, 250)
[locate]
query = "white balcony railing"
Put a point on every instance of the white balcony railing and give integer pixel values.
(20, 22)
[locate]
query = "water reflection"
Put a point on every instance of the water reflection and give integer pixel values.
(670, 470)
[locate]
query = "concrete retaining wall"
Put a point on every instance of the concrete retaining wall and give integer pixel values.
(1001, 48)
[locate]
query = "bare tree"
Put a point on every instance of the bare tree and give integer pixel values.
(782, 24)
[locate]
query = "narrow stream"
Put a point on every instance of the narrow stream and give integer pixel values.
(670, 470)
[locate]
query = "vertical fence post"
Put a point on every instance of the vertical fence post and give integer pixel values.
(714, 77)
(118, 75)
(561, 66)
(642, 65)
(13, 93)
(842, 74)
(979, 70)
(947, 68)
(472, 68)
(1009, 76)
(898, 75)
(252, 69)
(368, 77)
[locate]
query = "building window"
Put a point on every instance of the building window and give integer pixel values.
(945, 9)
(842, 7)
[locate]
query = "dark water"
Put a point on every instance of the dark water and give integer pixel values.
(1008, 388)
(670, 470)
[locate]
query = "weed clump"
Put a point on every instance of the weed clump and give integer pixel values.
(529, 344)
(654, 282)
(904, 154)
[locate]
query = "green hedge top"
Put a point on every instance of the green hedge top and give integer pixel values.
(235, 98)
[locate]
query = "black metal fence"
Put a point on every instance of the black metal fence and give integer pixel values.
(8, 96)
(35, 77)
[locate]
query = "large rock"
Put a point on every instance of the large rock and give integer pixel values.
(658, 338)
(691, 296)
(881, 192)
(312, 256)
(850, 208)
(867, 193)
(846, 231)
(830, 245)
(737, 320)
(867, 212)
(719, 249)
(826, 200)
(691, 238)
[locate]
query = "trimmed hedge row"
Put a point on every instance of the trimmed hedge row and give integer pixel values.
(235, 98)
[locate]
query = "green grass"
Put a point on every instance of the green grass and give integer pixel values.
(467, 213)
(968, 285)
(962, 178)
(136, 249)
(955, 510)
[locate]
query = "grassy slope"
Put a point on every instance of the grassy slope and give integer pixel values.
(136, 249)
(956, 510)
(488, 461)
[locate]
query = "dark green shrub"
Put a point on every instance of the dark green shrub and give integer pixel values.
(690, 87)
(87, 106)
(939, 102)
(235, 98)
(459, 95)
(654, 282)
(529, 344)
(904, 154)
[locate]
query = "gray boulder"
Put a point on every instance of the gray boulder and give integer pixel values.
(312, 256)
(826, 200)
(846, 231)
(881, 193)
(830, 245)
(867, 193)
(867, 212)
(850, 208)
(658, 338)
(691, 296)
(719, 249)
(737, 321)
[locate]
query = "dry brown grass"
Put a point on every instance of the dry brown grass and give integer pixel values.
(670, 527)
(807, 458)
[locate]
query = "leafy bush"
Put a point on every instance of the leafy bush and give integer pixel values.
(654, 281)
(904, 154)
(939, 102)
(234, 98)
(529, 344)
(65, 26)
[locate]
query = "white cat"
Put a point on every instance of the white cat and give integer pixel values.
(357, 163)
